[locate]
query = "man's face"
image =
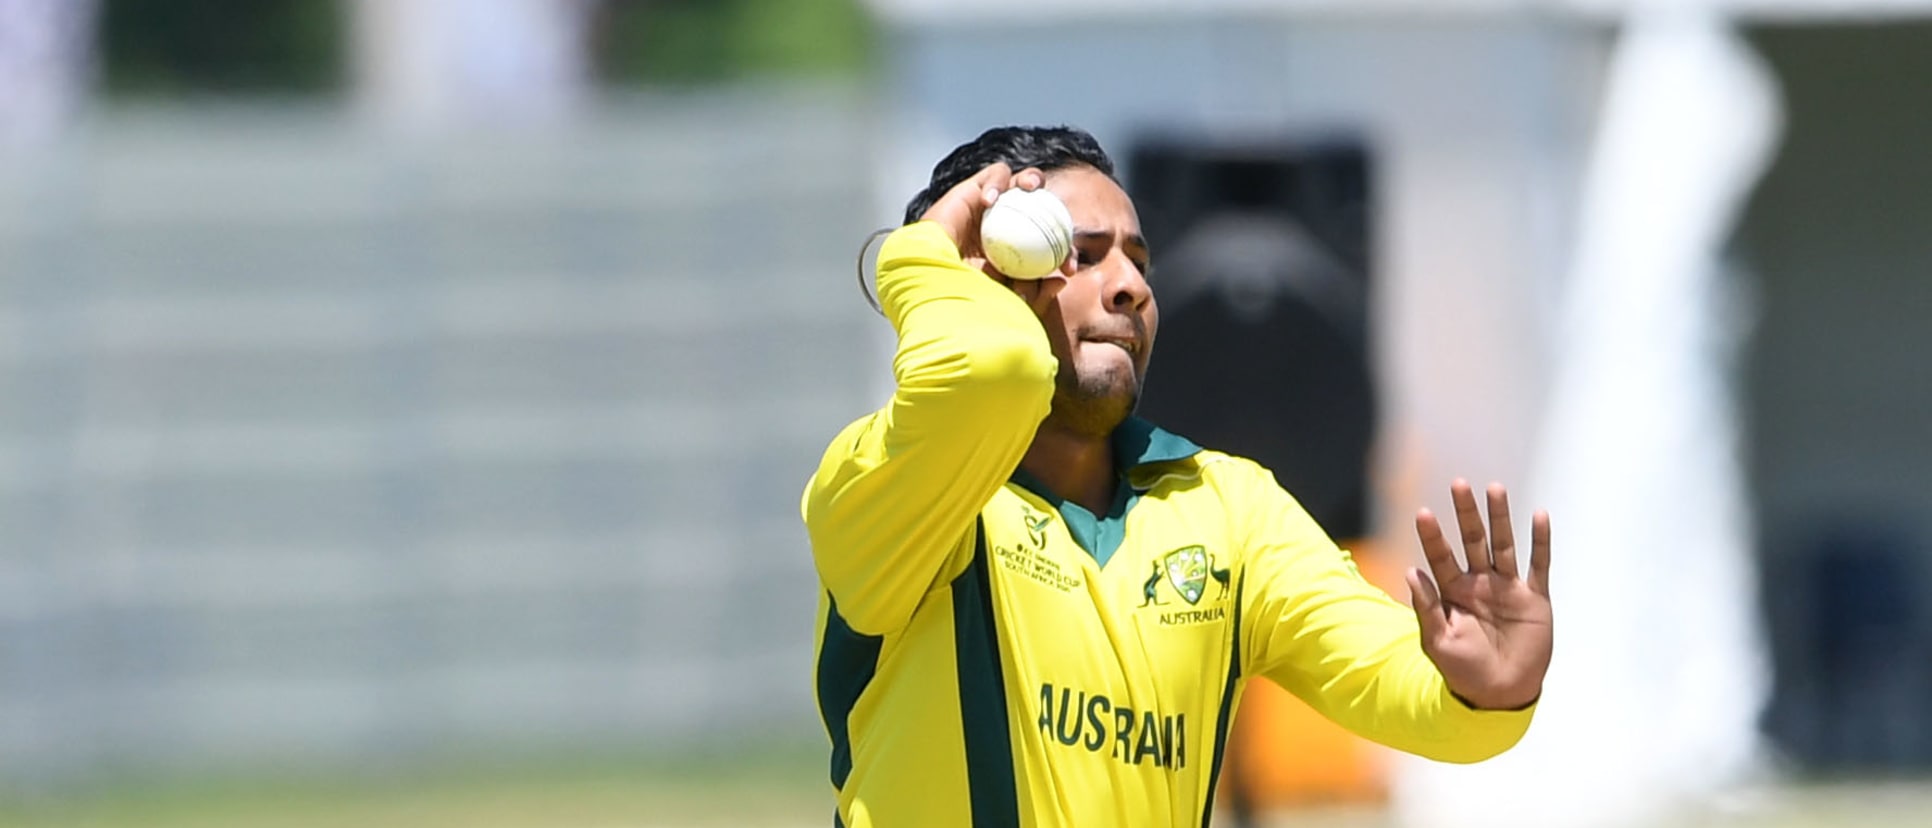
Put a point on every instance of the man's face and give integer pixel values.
(1102, 324)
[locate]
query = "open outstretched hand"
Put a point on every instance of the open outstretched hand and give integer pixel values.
(1486, 627)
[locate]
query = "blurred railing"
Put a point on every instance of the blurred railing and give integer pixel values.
(319, 445)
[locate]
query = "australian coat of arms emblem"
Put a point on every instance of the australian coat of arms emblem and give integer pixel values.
(1187, 570)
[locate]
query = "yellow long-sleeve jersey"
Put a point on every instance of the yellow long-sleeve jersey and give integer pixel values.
(992, 655)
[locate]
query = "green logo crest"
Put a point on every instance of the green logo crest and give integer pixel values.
(1036, 527)
(1187, 570)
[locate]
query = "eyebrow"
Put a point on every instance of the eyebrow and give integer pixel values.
(1134, 240)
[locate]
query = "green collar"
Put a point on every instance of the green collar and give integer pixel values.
(1148, 443)
(1136, 443)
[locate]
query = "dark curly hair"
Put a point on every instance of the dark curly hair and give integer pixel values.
(1019, 147)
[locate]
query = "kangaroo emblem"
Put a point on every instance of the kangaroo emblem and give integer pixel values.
(1152, 588)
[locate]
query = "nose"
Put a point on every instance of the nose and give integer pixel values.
(1126, 287)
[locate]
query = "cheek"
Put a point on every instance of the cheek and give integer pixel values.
(1153, 319)
(1063, 319)
(1057, 330)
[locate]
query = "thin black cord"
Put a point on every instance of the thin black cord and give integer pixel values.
(865, 289)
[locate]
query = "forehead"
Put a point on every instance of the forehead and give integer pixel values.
(1095, 200)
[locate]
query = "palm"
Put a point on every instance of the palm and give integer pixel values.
(1487, 628)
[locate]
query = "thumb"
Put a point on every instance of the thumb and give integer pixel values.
(1428, 606)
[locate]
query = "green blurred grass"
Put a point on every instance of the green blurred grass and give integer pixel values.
(757, 794)
(1856, 803)
(622, 794)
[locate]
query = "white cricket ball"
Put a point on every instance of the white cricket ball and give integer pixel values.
(1026, 234)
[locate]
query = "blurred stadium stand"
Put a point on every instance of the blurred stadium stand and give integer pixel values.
(317, 448)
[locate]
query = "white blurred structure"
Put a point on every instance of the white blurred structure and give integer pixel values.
(46, 62)
(446, 64)
(1654, 698)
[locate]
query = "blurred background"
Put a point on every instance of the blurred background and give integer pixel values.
(404, 403)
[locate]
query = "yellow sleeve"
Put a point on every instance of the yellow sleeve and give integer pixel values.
(1315, 627)
(898, 489)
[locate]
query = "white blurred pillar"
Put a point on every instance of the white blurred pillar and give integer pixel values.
(46, 66)
(450, 64)
(1651, 705)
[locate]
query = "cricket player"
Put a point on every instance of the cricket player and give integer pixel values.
(1039, 610)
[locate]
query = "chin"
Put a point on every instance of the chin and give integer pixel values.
(1096, 404)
